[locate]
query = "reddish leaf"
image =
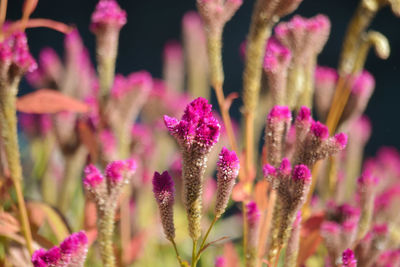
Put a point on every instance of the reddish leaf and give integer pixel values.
(134, 248)
(308, 245)
(49, 101)
(310, 237)
(261, 193)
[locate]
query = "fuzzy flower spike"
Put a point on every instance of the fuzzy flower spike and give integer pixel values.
(107, 21)
(196, 134)
(163, 188)
(70, 253)
(227, 171)
(105, 191)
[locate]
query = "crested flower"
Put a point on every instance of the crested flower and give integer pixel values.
(70, 253)
(372, 244)
(348, 259)
(325, 84)
(305, 38)
(107, 21)
(361, 91)
(220, 262)
(278, 122)
(216, 14)
(105, 192)
(227, 171)
(276, 63)
(107, 14)
(196, 133)
(163, 189)
(15, 58)
(339, 231)
(292, 186)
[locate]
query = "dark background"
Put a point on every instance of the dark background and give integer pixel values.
(152, 22)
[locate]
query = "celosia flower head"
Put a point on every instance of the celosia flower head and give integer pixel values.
(108, 13)
(348, 259)
(93, 177)
(118, 170)
(220, 262)
(163, 188)
(71, 252)
(252, 214)
(14, 52)
(227, 171)
(276, 56)
(197, 126)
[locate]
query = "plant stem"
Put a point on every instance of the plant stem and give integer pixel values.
(8, 122)
(176, 252)
(206, 236)
(194, 255)
(106, 230)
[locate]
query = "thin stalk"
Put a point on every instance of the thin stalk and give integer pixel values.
(194, 254)
(3, 12)
(206, 236)
(176, 252)
(8, 121)
(277, 256)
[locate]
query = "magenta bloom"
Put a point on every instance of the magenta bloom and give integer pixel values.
(197, 126)
(348, 259)
(319, 130)
(227, 171)
(93, 176)
(108, 13)
(277, 56)
(163, 187)
(71, 252)
(117, 170)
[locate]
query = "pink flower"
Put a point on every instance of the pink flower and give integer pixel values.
(108, 13)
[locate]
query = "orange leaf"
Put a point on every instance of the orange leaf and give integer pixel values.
(261, 193)
(49, 101)
(8, 223)
(231, 256)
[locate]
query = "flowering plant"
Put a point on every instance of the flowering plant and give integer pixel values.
(118, 170)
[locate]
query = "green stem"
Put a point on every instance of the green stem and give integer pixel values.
(206, 236)
(8, 122)
(177, 252)
(106, 230)
(194, 255)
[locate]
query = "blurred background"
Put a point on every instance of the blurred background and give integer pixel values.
(153, 22)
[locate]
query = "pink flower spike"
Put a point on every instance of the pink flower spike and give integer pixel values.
(285, 168)
(229, 159)
(304, 115)
(43, 258)
(348, 259)
(329, 228)
(173, 51)
(276, 55)
(325, 77)
(380, 229)
(320, 131)
(253, 214)
(163, 187)
(108, 13)
(301, 172)
(280, 113)
(341, 140)
(367, 179)
(115, 171)
(74, 243)
(93, 177)
(363, 84)
(220, 262)
(269, 170)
